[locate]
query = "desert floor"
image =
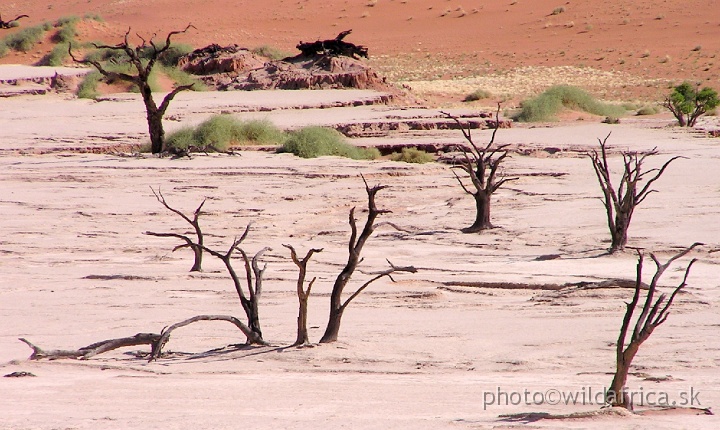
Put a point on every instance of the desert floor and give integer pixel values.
(427, 351)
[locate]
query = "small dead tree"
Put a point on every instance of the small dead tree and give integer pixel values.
(6, 25)
(355, 246)
(143, 59)
(197, 247)
(620, 203)
(302, 293)
(481, 164)
(248, 301)
(653, 314)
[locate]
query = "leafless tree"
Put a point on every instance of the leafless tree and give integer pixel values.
(302, 293)
(481, 164)
(355, 246)
(197, 247)
(143, 58)
(253, 277)
(620, 203)
(654, 312)
(5, 25)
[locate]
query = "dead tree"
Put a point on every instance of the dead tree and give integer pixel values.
(355, 246)
(620, 204)
(5, 25)
(481, 164)
(253, 277)
(653, 314)
(302, 293)
(142, 58)
(333, 47)
(197, 247)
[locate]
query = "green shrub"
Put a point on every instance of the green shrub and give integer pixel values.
(174, 52)
(25, 39)
(314, 141)
(182, 78)
(688, 103)
(270, 52)
(88, 86)
(477, 95)
(56, 57)
(648, 110)
(66, 33)
(220, 132)
(260, 131)
(94, 17)
(412, 155)
(545, 106)
(3, 48)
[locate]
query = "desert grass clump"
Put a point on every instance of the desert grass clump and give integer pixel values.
(270, 52)
(412, 155)
(88, 86)
(478, 94)
(558, 11)
(221, 132)
(547, 105)
(25, 39)
(315, 141)
(181, 77)
(648, 110)
(56, 57)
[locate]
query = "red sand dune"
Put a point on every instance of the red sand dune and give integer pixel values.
(653, 38)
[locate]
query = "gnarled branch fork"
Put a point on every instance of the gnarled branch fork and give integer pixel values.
(197, 247)
(654, 313)
(302, 293)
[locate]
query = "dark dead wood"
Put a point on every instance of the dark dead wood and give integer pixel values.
(334, 46)
(481, 164)
(653, 313)
(5, 25)
(355, 245)
(620, 202)
(143, 58)
(302, 293)
(91, 350)
(159, 344)
(197, 247)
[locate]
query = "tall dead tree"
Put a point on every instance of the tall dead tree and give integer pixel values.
(197, 247)
(481, 164)
(302, 293)
(355, 246)
(143, 59)
(620, 203)
(653, 314)
(5, 25)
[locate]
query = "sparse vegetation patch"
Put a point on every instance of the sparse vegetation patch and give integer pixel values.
(548, 104)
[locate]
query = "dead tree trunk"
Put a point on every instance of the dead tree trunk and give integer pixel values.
(481, 164)
(302, 293)
(620, 204)
(355, 246)
(5, 25)
(197, 247)
(652, 315)
(155, 340)
(143, 58)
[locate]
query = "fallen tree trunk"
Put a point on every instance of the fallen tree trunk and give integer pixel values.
(91, 350)
(156, 341)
